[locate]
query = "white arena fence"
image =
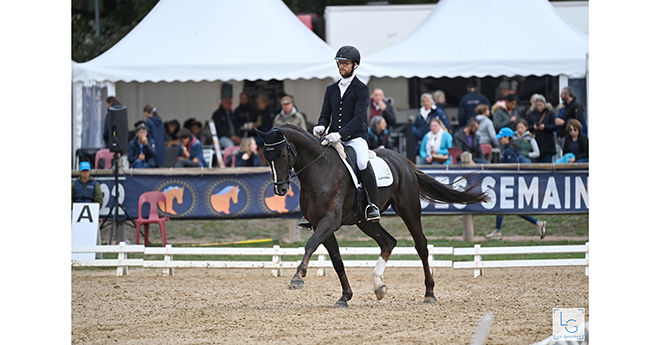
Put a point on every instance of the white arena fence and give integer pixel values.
(322, 262)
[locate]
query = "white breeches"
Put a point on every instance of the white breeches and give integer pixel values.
(361, 151)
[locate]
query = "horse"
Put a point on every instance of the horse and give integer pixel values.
(327, 197)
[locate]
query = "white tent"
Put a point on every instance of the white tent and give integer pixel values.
(204, 40)
(464, 38)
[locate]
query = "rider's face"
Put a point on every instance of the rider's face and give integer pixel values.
(345, 68)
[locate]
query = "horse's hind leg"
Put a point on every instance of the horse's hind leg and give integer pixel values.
(333, 249)
(387, 244)
(411, 213)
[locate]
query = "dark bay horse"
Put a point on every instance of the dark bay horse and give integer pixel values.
(327, 196)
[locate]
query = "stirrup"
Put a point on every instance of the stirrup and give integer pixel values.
(304, 224)
(374, 217)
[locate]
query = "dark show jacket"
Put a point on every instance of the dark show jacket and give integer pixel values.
(349, 113)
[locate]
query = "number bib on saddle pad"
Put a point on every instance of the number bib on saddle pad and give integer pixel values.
(381, 169)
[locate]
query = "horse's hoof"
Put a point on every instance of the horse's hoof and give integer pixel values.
(430, 299)
(380, 292)
(341, 304)
(296, 285)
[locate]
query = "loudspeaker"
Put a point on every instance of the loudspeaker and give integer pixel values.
(118, 136)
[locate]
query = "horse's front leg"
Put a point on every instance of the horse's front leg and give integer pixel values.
(326, 227)
(333, 249)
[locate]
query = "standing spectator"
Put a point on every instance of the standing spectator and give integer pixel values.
(156, 131)
(469, 101)
(439, 99)
(542, 120)
(142, 149)
(289, 114)
(379, 135)
(265, 114)
(109, 102)
(191, 152)
(527, 146)
(506, 116)
(427, 111)
(486, 128)
(576, 143)
(467, 140)
(244, 116)
(172, 132)
(381, 106)
(248, 155)
(436, 144)
(573, 110)
(223, 118)
(85, 188)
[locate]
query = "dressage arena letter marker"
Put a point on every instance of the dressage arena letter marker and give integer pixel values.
(84, 228)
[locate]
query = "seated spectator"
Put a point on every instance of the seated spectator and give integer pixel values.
(507, 115)
(576, 143)
(427, 111)
(85, 188)
(289, 114)
(436, 144)
(244, 116)
(264, 114)
(171, 133)
(527, 146)
(248, 155)
(225, 128)
(131, 134)
(379, 135)
(191, 152)
(381, 106)
(543, 127)
(486, 128)
(141, 149)
(467, 140)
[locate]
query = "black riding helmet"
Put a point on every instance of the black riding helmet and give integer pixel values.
(348, 53)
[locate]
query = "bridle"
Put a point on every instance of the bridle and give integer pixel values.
(284, 143)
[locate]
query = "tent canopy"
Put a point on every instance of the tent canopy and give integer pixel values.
(465, 38)
(213, 40)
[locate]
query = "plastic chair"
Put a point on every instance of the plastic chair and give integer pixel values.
(152, 198)
(455, 153)
(228, 153)
(107, 156)
(487, 149)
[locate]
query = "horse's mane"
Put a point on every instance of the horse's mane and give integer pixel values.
(306, 136)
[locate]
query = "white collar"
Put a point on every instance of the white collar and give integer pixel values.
(344, 82)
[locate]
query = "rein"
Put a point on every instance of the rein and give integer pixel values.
(296, 173)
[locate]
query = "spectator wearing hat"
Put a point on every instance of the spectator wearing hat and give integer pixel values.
(542, 125)
(508, 147)
(141, 149)
(507, 115)
(191, 151)
(85, 188)
(289, 114)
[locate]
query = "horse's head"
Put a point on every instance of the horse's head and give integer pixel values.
(281, 156)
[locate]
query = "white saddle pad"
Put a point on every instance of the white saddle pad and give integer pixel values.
(381, 170)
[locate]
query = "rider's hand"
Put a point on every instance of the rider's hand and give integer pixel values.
(318, 130)
(331, 138)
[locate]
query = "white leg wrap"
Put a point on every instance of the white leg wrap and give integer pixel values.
(378, 272)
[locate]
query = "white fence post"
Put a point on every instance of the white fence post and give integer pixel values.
(322, 271)
(586, 257)
(277, 259)
(477, 260)
(168, 271)
(121, 270)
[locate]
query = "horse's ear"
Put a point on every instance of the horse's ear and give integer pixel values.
(259, 133)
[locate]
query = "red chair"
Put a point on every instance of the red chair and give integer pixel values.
(152, 198)
(487, 150)
(455, 153)
(230, 153)
(107, 156)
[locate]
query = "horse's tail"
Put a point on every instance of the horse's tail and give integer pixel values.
(435, 192)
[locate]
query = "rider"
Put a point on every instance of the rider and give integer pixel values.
(344, 110)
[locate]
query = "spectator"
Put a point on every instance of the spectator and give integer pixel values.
(248, 155)
(223, 118)
(265, 115)
(573, 110)
(543, 127)
(142, 149)
(379, 135)
(504, 89)
(289, 114)
(427, 112)
(156, 131)
(436, 144)
(541, 226)
(381, 106)
(109, 102)
(131, 134)
(467, 140)
(527, 146)
(85, 188)
(507, 115)
(486, 129)
(191, 152)
(172, 132)
(244, 116)
(510, 152)
(577, 143)
(469, 101)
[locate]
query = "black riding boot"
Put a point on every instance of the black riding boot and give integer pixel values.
(371, 213)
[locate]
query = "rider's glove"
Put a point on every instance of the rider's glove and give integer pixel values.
(331, 138)
(318, 130)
